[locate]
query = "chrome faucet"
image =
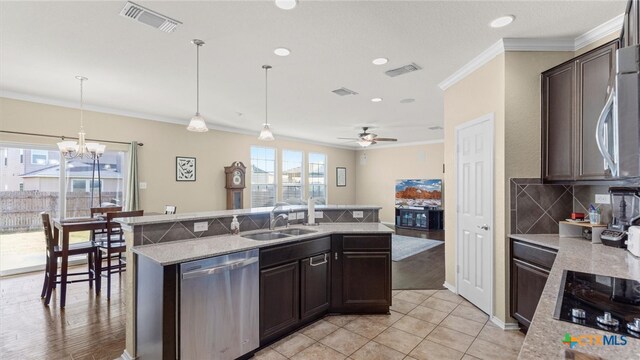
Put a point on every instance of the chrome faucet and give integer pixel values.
(274, 219)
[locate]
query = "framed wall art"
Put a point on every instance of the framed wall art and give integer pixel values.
(185, 168)
(341, 176)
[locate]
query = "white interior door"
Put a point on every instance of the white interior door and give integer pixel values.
(474, 156)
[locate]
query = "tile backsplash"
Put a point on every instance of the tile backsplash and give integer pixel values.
(537, 208)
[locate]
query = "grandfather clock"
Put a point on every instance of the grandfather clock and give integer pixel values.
(235, 184)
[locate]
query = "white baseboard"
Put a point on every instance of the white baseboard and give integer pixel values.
(451, 288)
(504, 326)
(125, 356)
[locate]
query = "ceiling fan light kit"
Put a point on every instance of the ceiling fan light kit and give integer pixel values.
(197, 123)
(286, 4)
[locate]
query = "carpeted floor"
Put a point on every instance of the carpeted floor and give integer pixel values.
(403, 247)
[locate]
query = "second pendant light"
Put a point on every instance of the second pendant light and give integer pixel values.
(265, 133)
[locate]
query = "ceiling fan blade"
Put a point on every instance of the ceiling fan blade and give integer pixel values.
(386, 139)
(354, 139)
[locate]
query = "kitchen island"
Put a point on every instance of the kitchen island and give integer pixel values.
(342, 265)
(545, 335)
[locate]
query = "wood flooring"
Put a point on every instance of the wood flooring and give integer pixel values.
(424, 270)
(89, 327)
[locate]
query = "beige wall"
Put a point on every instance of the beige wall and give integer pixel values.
(162, 143)
(376, 179)
(480, 93)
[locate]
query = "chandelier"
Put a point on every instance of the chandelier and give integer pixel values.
(77, 149)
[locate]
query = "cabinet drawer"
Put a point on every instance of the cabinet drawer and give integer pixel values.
(284, 253)
(366, 242)
(537, 255)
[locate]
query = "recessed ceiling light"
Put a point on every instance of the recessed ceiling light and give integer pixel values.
(502, 21)
(380, 61)
(376, 99)
(406, 101)
(286, 4)
(282, 51)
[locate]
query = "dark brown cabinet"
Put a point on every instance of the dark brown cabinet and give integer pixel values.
(361, 281)
(558, 122)
(573, 95)
(315, 280)
(530, 266)
(279, 299)
(294, 286)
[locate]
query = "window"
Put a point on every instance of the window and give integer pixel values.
(39, 157)
(318, 177)
(292, 180)
(79, 185)
(263, 176)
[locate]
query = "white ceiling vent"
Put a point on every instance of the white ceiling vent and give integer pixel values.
(403, 70)
(344, 92)
(146, 16)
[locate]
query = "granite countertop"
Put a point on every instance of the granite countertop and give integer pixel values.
(188, 250)
(544, 338)
(154, 219)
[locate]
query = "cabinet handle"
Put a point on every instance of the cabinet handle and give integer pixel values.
(336, 257)
(320, 263)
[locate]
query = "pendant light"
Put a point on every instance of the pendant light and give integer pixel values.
(197, 123)
(77, 149)
(265, 133)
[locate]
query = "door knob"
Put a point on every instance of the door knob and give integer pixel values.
(483, 227)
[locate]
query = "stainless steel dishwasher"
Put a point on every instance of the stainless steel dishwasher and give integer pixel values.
(219, 307)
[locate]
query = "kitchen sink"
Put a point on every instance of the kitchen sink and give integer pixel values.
(296, 231)
(270, 235)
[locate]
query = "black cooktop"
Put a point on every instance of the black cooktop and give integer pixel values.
(601, 302)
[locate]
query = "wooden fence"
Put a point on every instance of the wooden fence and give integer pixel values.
(20, 210)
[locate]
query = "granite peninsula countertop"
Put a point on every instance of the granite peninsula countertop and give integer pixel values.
(175, 252)
(544, 338)
(154, 219)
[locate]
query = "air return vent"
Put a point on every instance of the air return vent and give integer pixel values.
(403, 70)
(146, 16)
(344, 92)
(436, 128)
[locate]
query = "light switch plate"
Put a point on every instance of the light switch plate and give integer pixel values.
(143, 185)
(358, 214)
(319, 214)
(603, 199)
(300, 215)
(200, 226)
(293, 216)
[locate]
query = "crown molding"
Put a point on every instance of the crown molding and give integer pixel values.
(386, 146)
(527, 44)
(599, 32)
(494, 50)
(145, 116)
(532, 44)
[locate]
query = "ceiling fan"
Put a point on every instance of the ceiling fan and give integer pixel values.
(366, 138)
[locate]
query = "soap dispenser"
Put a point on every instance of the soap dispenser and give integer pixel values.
(235, 225)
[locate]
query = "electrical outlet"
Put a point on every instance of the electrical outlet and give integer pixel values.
(319, 214)
(200, 226)
(358, 214)
(603, 199)
(143, 185)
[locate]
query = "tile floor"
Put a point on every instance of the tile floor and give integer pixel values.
(423, 325)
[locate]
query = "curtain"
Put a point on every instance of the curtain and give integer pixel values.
(132, 201)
